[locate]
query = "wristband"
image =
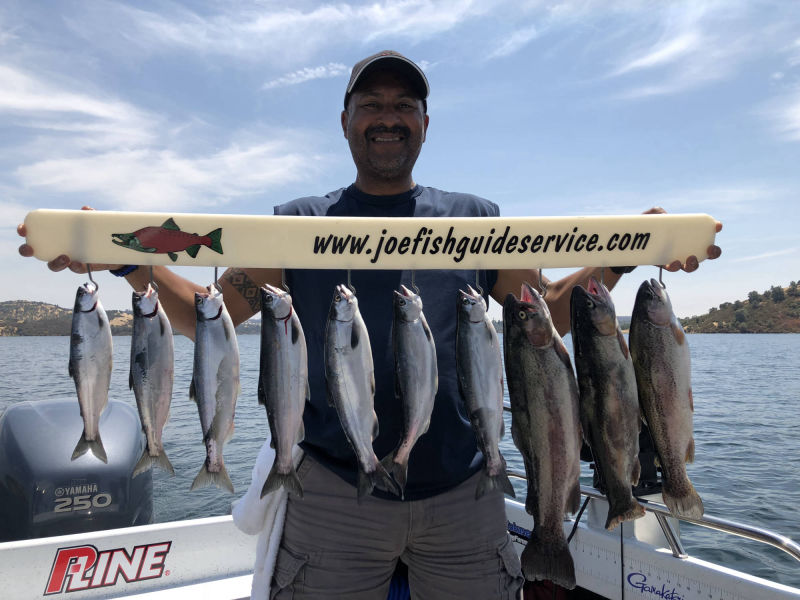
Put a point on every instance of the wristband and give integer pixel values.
(619, 270)
(122, 271)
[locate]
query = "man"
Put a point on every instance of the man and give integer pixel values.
(333, 547)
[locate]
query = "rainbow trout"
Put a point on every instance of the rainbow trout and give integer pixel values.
(480, 380)
(661, 361)
(151, 375)
(282, 384)
(350, 378)
(545, 426)
(609, 404)
(215, 383)
(90, 359)
(416, 377)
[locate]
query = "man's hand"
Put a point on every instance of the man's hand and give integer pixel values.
(61, 262)
(691, 263)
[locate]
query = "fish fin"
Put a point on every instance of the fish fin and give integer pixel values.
(308, 392)
(205, 478)
(295, 332)
(354, 337)
(216, 240)
(561, 351)
(173, 256)
(262, 395)
(548, 560)
(375, 427)
(636, 471)
(146, 462)
(130, 379)
(677, 331)
(574, 498)
(193, 250)
(398, 470)
(161, 327)
(301, 433)
(622, 345)
(690, 451)
(494, 482)
(687, 504)
(277, 480)
(170, 224)
(372, 382)
(192, 392)
(84, 445)
(691, 400)
(70, 370)
(100, 322)
(619, 514)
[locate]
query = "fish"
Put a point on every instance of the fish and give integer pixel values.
(416, 377)
(90, 362)
(215, 383)
(546, 428)
(168, 239)
(350, 379)
(609, 404)
(151, 375)
(282, 384)
(661, 361)
(480, 379)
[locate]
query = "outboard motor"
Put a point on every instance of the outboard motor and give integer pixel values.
(44, 493)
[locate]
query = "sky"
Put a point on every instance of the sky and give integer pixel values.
(579, 107)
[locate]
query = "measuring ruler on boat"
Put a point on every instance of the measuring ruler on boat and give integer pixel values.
(367, 243)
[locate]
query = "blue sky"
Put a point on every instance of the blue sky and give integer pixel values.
(547, 108)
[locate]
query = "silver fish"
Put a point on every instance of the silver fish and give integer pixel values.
(350, 379)
(215, 383)
(661, 361)
(151, 375)
(609, 403)
(480, 379)
(416, 377)
(545, 426)
(282, 384)
(90, 360)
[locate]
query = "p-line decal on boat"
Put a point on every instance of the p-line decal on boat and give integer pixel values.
(368, 243)
(81, 568)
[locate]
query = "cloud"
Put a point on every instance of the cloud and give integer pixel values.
(308, 74)
(783, 252)
(664, 53)
(515, 42)
(784, 115)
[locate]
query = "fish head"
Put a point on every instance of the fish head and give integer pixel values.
(86, 297)
(652, 300)
(127, 240)
(209, 304)
(529, 315)
(344, 304)
(593, 306)
(275, 302)
(471, 305)
(145, 303)
(407, 305)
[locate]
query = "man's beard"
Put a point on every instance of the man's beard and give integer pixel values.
(398, 164)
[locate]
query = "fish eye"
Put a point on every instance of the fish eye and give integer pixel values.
(465, 301)
(402, 302)
(522, 315)
(198, 300)
(337, 298)
(589, 303)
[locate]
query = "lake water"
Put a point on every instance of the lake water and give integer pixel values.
(747, 424)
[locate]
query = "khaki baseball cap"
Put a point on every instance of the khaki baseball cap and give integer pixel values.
(388, 59)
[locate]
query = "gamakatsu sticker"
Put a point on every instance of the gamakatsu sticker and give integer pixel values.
(85, 567)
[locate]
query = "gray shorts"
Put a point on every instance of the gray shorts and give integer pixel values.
(455, 547)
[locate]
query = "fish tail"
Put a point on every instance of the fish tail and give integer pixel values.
(288, 480)
(378, 478)
(686, 504)
(220, 479)
(551, 561)
(398, 470)
(95, 445)
(215, 240)
(620, 513)
(146, 462)
(494, 482)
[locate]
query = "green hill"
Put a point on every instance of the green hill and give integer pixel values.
(777, 310)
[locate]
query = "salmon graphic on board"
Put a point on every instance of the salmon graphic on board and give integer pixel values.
(168, 239)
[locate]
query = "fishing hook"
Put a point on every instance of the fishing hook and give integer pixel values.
(216, 281)
(413, 283)
(89, 273)
(349, 283)
(284, 285)
(660, 280)
(477, 284)
(542, 284)
(603, 275)
(153, 283)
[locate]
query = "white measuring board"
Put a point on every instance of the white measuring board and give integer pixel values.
(647, 571)
(367, 243)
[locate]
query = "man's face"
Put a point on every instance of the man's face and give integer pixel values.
(385, 126)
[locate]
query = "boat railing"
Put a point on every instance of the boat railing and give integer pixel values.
(661, 512)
